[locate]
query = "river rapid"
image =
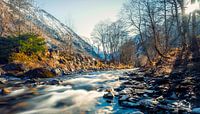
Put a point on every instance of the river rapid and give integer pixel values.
(77, 94)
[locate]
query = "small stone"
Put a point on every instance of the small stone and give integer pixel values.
(165, 107)
(3, 80)
(5, 91)
(137, 112)
(130, 104)
(54, 82)
(108, 96)
(173, 96)
(124, 97)
(56, 71)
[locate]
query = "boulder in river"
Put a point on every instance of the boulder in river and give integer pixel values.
(40, 73)
(3, 80)
(54, 82)
(5, 91)
(108, 95)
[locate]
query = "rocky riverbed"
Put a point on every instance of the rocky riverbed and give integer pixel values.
(69, 94)
(133, 91)
(163, 94)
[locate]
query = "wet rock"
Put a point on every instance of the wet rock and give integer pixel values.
(148, 103)
(140, 78)
(30, 81)
(137, 112)
(139, 86)
(139, 91)
(56, 71)
(2, 72)
(196, 111)
(119, 88)
(5, 91)
(182, 106)
(14, 67)
(130, 73)
(161, 81)
(40, 73)
(165, 107)
(123, 78)
(108, 95)
(3, 80)
(134, 98)
(173, 96)
(130, 104)
(54, 82)
(109, 101)
(124, 97)
(149, 92)
(128, 83)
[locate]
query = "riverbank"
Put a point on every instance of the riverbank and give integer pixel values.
(171, 86)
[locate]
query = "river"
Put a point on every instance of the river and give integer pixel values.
(78, 94)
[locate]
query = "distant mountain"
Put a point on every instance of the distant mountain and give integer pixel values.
(55, 32)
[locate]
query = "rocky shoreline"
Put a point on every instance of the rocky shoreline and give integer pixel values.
(163, 94)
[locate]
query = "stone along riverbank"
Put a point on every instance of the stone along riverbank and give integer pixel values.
(164, 94)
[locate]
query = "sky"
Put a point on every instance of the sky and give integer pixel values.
(82, 14)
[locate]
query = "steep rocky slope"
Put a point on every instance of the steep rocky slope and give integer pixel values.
(59, 59)
(41, 22)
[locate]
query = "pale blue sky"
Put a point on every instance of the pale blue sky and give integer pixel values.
(85, 14)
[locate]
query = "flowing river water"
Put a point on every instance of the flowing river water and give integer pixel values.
(78, 94)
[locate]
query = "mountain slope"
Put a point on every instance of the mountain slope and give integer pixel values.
(56, 33)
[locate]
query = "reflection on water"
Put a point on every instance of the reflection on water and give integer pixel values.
(80, 95)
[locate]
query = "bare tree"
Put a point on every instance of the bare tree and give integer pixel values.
(128, 53)
(133, 14)
(100, 33)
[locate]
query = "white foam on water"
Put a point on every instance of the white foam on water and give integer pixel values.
(76, 100)
(80, 97)
(17, 92)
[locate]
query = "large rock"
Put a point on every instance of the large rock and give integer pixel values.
(14, 67)
(40, 73)
(57, 71)
(55, 82)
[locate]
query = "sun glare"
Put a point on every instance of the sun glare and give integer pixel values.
(192, 7)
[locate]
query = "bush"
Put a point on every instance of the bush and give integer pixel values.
(31, 44)
(27, 44)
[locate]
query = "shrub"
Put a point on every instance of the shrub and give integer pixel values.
(23, 45)
(31, 44)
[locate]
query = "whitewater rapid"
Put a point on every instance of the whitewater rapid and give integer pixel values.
(79, 94)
